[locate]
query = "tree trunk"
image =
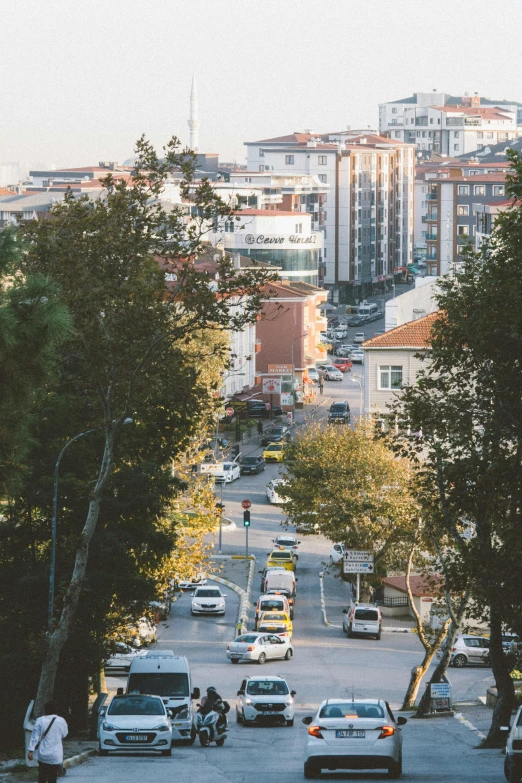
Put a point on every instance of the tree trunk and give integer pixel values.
(60, 635)
(440, 671)
(503, 681)
(416, 678)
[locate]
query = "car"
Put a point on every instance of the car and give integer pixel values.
(274, 452)
(122, 657)
(223, 472)
(259, 647)
(252, 465)
(331, 373)
(344, 365)
(513, 760)
(142, 632)
(272, 491)
(275, 435)
(275, 601)
(364, 619)
(312, 374)
(353, 734)
(150, 722)
(280, 558)
(359, 337)
(208, 600)
(336, 553)
(265, 699)
(256, 409)
(340, 334)
(275, 620)
(190, 584)
(468, 649)
(287, 542)
(357, 356)
(339, 412)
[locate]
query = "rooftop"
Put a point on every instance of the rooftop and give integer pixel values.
(420, 585)
(414, 334)
(269, 213)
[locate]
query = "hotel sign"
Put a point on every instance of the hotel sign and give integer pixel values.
(281, 241)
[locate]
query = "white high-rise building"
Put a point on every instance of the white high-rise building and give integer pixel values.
(193, 121)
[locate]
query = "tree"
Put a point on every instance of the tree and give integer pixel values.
(130, 353)
(466, 413)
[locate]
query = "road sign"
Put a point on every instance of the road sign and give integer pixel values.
(356, 561)
(358, 555)
(246, 518)
(230, 411)
(246, 503)
(271, 385)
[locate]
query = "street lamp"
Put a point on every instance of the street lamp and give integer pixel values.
(293, 371)
(357, 379)
(54, 523)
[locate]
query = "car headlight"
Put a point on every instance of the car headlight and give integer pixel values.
(182, 714)
(163, 727)
(109, 727)
(248, 701)
(288, 704)
(196, 603)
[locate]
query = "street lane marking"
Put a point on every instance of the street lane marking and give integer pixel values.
(465, 722)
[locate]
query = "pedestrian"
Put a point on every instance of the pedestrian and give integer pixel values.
(321, 383)
(46, 743)
(259, 427)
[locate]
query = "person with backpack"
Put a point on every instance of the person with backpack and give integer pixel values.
(46, 743)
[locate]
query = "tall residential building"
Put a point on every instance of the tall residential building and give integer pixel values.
(193, 121)
(368, 210)
(448, 125)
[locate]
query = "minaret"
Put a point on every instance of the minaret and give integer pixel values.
(193, 122)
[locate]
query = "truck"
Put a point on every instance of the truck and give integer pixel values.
(161, 673)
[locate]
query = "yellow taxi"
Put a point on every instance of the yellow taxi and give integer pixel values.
(276, 622)
(281, 558)
(274, 452)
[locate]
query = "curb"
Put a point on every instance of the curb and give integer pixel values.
(465, 722)
(244, 595)
(323, 605)
(73, 761)
(398, 630)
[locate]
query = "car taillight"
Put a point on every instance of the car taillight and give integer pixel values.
(315, 731)
(228, 647)
(386, 731)
(453, 649)
(517, 744)
(251, 648)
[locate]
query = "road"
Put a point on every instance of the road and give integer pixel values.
(325, 664)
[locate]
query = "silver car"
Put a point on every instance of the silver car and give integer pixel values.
(331, 373)
(467, 650)
(259, 647)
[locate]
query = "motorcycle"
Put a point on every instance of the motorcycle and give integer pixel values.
(212, 727)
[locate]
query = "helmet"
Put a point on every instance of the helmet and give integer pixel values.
(211, 688)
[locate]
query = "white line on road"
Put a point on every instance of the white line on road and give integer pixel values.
(465, 722)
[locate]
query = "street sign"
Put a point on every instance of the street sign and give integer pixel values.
(246, 518)
(358, 555)
(246, 503)
(230, 411)
(271, 385)
(356, 561)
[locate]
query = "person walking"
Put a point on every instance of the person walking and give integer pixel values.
(321, 383)
(46, 743)
(259, 427)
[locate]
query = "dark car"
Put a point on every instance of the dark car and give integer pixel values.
(339, 411)
(275, 435)
(357, 320)
(256, 410)
(252, 465)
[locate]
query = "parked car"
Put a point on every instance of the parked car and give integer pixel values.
(208, 600)
(344, 365)
(312, 374)
(198, 580)
(513, 760)
(339, 412)
(151, 725)
(259, 647)
(274, 452)
(251, 465)
(340, 334)
(348, 734)
(263, 699)
(142, 632)
(331, 373)
(365, 619)
(468, 649)
(122, 657)
(359, 337)
(256, 409)
(275, 435)
(336, 553)
(272, 491)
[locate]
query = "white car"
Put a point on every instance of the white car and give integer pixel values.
(349, 734)
(259, 647)
(336, 553)
(359, 337)
(144, 632)
(272, 491)
(190, 584)
(208, 600)
(135, 722)
(513, 760)
(288, 543)
(357, 356)
(230, 471)
(331, 373)
(122, 657)
(312, 373)
(263, 700)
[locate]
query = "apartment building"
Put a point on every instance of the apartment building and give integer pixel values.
(368, 210)
(445, 124)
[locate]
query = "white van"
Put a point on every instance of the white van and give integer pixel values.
(364, 619)
(368, 310)
(161, 673)
(280, 580)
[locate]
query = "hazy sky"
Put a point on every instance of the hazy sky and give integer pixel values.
(82, 79)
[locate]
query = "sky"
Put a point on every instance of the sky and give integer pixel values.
(81, 80)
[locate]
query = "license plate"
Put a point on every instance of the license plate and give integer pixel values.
(136, 738)
(235, 657)
(350, 734)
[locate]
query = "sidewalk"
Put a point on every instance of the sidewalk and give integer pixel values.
(475, 714)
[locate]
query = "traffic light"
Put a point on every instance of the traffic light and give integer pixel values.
(246, 518)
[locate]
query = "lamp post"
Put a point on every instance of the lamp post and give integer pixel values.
(357, 379)
(54, 523)
(293, 370)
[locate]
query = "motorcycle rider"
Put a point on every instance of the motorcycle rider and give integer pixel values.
(213, 702)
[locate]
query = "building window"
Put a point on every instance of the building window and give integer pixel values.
(397, 134)
(289, 160)
(261, 153)
(424, 134)
(474, 173)
(463, 209)
(322, 178)
(479, 190)
(390, 377)
(322, 160)
(456, 134)
(490, 135)
(456, 147)
(463, 231)
(298, 228)
(480, 135)
(498, 190)
(394, 111)
(229, 226)
(431, 120)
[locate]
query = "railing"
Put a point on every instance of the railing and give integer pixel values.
(431, 237)
(431, 197)
(432, 216)
(431, 258)
(393, 600)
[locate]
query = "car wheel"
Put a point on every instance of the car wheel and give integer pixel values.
(167, 752)
(311, 771)
(349, 633)
(288, 655)
(290, 722)
(459, 661)
(395, 767)
(378, 636)
(102, 751)
(262, 658)
(239, 718)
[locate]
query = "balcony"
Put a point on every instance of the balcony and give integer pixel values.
(431, 237)
(431, 258)
(432, 216)
(431, 196)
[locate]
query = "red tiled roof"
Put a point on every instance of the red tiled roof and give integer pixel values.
(414, 334)
(420, 585)
(490, 113)
(296, 137)
(7, 192)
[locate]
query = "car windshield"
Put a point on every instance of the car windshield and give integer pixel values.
(277, 431)
(271, 606)
(274, 447)
(275, 617)
(286, 541)
(280, 556)
(351, 709)
(246, 639)
(366, 614)
(338, 406)
(267, 688)
(207, 592)
(250, 460)
(159, 683)
(139, 705)
(228, 466)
